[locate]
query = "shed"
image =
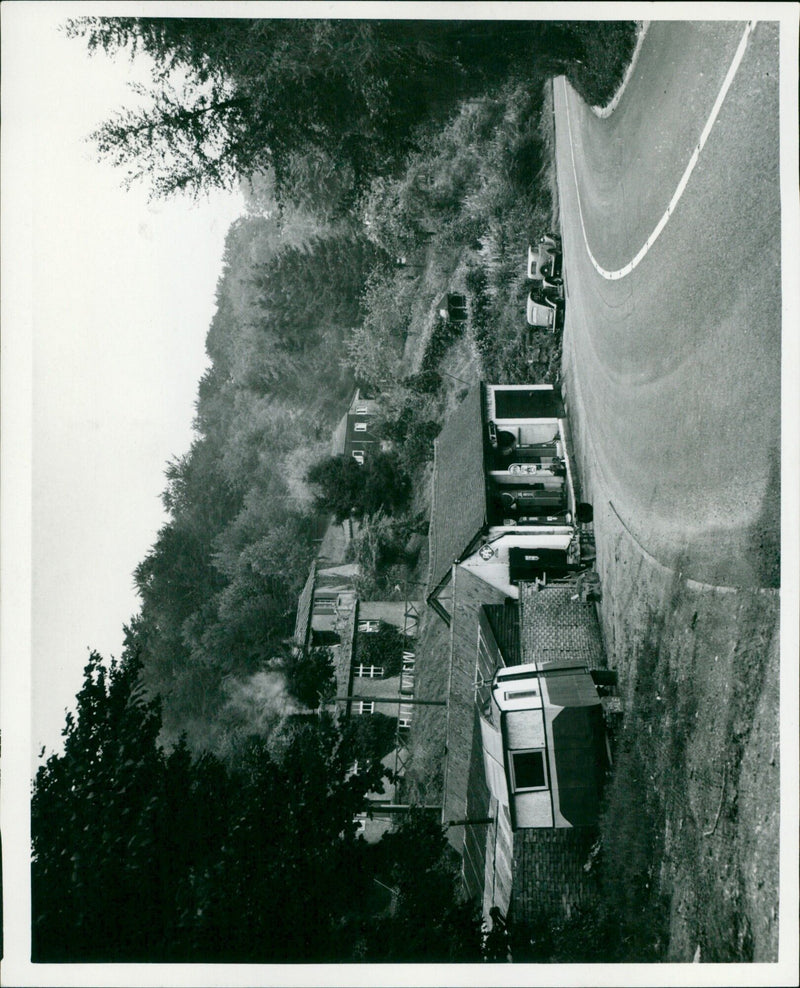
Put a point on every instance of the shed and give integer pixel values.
(452, 307)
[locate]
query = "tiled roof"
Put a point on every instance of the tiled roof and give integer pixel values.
(458, 509)
(302, 625)
(504, 622)
(556, 626)
(464, 771)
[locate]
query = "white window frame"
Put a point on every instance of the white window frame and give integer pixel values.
(368, 672)
(512, 767)
(364, 707)
(358, 456)
(361, 409)
(369, 626)
(360, 427)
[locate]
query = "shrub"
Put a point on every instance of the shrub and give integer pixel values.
(372, 737)
(383, 647)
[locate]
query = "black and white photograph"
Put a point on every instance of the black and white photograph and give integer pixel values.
(399, 493)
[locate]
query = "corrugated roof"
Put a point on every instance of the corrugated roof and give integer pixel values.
(302, 625)
(504, 622)
(458, 508)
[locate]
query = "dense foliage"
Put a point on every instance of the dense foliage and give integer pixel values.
(383, 648)
(310, 677)
(143, 855)
(347, 488)
(431, 922)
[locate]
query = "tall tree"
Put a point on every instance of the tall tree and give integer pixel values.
(96, 817)
(139, 855)
(433, 922)
(267, 93)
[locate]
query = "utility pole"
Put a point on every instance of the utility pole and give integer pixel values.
(391, 699)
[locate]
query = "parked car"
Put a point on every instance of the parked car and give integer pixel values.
(545, 258)
(545, 306)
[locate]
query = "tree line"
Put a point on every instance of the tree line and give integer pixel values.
(144, 854)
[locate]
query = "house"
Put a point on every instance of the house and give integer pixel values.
(371, 686)
(357, 632)
(368, 686)
(354, 436)
(503, 497)
(507, 861)
(325, 608)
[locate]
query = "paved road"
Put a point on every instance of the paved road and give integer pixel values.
(675, 368)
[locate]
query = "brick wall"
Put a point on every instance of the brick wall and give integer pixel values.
(549, 875)
(556, 627)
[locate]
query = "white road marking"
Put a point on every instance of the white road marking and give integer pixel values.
(622, 272)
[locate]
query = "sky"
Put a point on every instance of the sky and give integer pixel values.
(122, 294)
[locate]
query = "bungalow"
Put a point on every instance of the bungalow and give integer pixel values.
(503, 500)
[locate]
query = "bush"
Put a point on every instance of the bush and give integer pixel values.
(310, 677)
(383, 647)
(345, 488)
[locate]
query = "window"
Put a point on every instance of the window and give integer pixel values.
(521, 694)
(364, 706)
(358, 456)
(369, 672)
(361, 409)
(528, 770)
(369, 626)
(361, 427)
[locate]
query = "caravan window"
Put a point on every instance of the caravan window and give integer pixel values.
(520, 694)
(528, 770)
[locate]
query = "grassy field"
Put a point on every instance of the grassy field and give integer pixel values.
(691, 823)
